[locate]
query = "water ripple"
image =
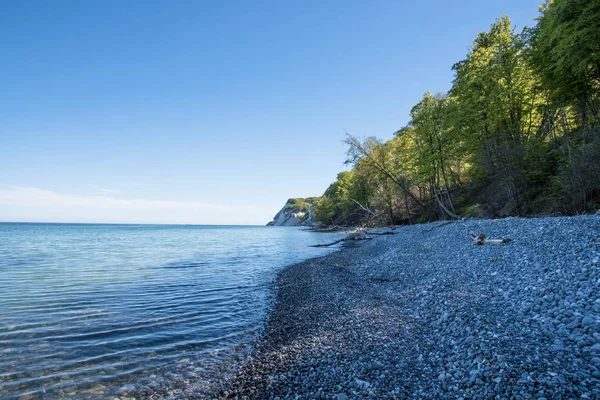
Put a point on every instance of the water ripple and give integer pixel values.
(82, 305)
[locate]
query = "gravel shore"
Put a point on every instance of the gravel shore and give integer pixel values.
(425, 314)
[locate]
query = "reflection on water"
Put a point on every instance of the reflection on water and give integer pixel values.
(93, 310)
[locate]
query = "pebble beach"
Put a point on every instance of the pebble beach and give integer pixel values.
(426, 314)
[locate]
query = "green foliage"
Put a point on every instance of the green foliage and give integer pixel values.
(566, 52)
(302, 204)
(578, 179)
(518, 133)
(337, 200)
(498, 101)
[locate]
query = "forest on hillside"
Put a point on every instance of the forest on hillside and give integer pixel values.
(517, 134)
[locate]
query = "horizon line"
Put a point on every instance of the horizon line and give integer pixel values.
(121, 223)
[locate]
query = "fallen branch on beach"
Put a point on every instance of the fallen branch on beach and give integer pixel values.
(333, 228)
(437, 226)
(381, 233)
(350, 238)
(480, 239)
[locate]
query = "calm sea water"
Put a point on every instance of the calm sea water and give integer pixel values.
(103, 306)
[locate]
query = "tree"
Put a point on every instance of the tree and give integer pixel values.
(566, 52)
(497, 99)
(518, 132)
(432, 147)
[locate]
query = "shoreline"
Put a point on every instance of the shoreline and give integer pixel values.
(426, 314)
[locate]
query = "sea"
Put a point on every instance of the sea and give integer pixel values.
(100, 311)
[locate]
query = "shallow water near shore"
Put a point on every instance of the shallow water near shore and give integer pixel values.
(103, 310)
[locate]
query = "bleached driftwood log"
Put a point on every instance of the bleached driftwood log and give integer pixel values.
(480, 239)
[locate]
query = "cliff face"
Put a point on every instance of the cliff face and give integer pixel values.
(297, 212)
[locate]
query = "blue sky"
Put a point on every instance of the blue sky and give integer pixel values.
(209, 112)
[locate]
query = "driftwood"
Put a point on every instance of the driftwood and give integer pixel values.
(480, 239)
(346, 239)
(327, 229)
(381, 233)
(437, 226)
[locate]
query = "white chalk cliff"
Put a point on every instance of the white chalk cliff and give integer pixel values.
(290, 216)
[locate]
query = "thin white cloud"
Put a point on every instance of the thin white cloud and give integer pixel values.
(34, 204)
(107, 191)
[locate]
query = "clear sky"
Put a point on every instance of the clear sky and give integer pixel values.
(209, 112)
